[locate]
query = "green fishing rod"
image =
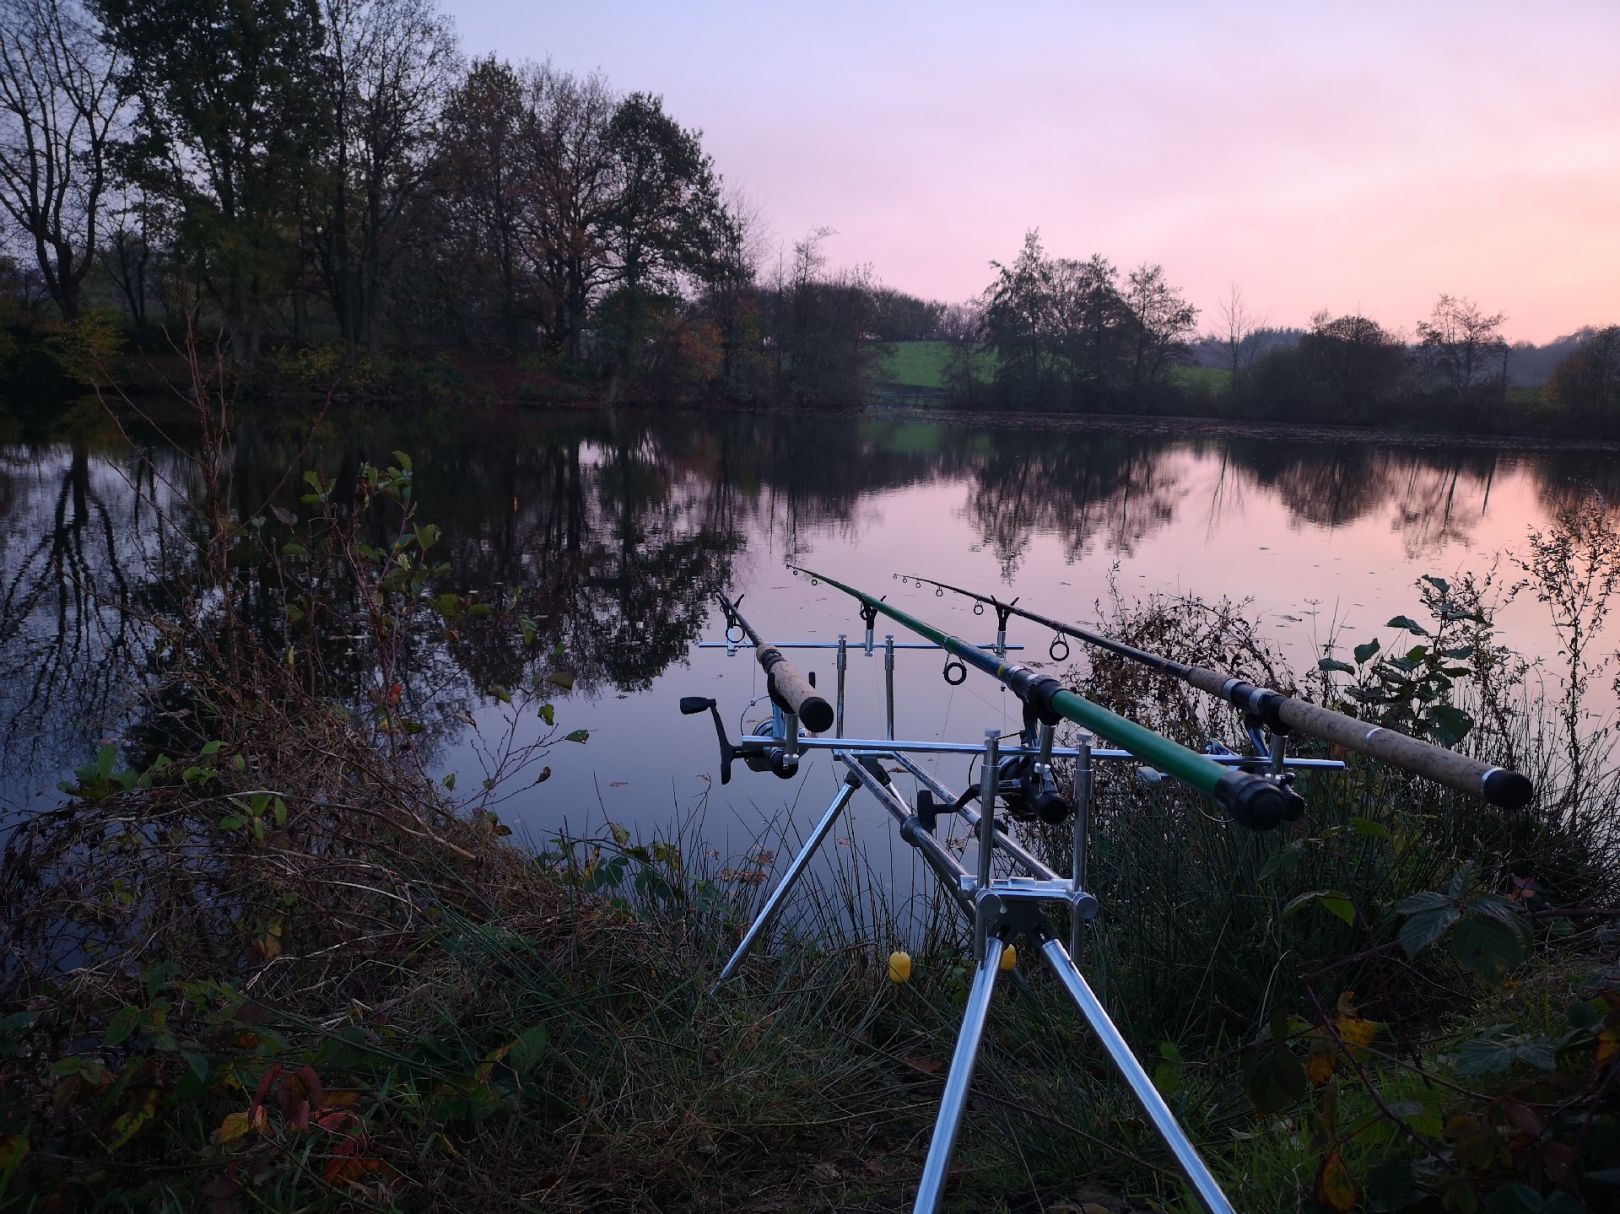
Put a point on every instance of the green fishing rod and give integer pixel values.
(1280, 713)
(1250, 800)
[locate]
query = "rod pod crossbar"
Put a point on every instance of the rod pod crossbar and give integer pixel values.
(1498, 785)
(1251, 801)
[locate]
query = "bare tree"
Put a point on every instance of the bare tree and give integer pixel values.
(60, 104)
(1240, 333)
(1462, 348)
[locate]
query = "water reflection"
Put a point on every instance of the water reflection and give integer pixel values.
(612, 530)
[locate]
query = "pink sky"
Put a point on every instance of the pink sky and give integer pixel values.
(1354, 157)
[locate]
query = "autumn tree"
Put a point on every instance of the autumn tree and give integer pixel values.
(389, 67)
(61, 104)
(485, 182)
(1587, 383)
(665, 224)
(231, 117)
(1354, 362)
(1020, 320)
(569, 174)
(1161, 321)
(1091, 330)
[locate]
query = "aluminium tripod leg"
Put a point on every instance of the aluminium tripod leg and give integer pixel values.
(795, 870)
(1164, 1121)
(952, 1104)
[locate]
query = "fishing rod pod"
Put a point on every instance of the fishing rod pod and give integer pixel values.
(1250, 800)
(789, 690)
(1497, 785)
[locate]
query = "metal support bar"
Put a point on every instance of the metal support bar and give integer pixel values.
(733, 647)
(1082, 829)
(951, 1106)
(843, 668)
(888, 679)
(1147, 1096)
(968, 814)
(789, 879)
(887, 746)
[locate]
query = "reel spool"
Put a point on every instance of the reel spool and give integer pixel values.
(1030, 791)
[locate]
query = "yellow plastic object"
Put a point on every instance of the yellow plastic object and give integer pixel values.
(899, 967)
(1010, 957)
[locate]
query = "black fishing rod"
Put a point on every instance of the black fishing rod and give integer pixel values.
(1251, 800)
(1498, 785)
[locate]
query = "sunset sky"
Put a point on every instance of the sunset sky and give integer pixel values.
(1349, 157)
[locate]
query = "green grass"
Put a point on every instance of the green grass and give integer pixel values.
(921, 364)
(917, 364)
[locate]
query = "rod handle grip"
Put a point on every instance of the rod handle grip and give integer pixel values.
(792, 692)
(1498, 785)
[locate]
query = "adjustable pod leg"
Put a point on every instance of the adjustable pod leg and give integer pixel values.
(931, 1191)
(846, 790)
(1164, 1121)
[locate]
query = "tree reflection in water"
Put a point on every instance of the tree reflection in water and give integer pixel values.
(612, 530)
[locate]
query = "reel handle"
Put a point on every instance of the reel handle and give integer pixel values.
(691, 706)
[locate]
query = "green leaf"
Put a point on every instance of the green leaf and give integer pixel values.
(1583, 1015)
(1364, 652)
(403, 460)
(1449, 725)
(1332, 900)
(1515, 1198)
(211, 748)
(292, 549)
(1486, 946)
(1439, 583)
(1428, 900)
(1490, 1054)
(548, 714)
(1273, 1078)
(1411, 625)
(530, 1048)
(1335, 664)
(579, 735)
(1366, 826)
(1422, 930)
(122, 1025)
(84, 1066)
(198, 1062)
(232, 822)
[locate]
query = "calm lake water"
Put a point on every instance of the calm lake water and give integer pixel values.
(607, 526)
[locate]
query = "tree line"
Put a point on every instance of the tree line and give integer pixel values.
(336, 177)
(1053, 332)
(337, 173)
